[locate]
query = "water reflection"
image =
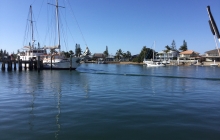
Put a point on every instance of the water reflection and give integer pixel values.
(56, 86)
(58, 116)
(31, 113)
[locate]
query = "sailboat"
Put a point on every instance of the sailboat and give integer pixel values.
(56, 60)
(31, 52)
(153, 63)
(214, 30)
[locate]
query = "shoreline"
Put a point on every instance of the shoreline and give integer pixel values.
(199, 64)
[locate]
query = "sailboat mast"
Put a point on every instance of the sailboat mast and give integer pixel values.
(153, 50)
(58, 26)
(32, 29)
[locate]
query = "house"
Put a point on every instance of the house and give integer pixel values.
(212, 55)
(109, 58)
(170, 55)
(98, 56)
(189, 55)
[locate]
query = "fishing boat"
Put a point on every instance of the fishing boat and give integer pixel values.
(152, 63)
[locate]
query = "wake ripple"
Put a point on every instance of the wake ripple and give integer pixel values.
(149, 75)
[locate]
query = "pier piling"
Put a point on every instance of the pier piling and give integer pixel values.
(15, 67)
(19, 64)
(9, 65)
(3, 66)
(30, 64)
(51, 62)
(70, 62)
(38, 63)
(25, 65)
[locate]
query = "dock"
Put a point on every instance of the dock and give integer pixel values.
(10, 65)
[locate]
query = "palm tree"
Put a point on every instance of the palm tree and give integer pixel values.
(124, 55)
(119, 54)
(128, 54)
(167, 50)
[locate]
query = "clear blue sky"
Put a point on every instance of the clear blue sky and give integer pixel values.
(119, 24)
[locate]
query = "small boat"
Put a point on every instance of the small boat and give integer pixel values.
(101, 61)
(153, 63)
(214, 64)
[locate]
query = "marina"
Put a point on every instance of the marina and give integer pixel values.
(48, 93)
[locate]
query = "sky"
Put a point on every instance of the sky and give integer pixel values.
(119, 24)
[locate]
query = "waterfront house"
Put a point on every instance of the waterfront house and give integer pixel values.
(189, 55)
(109, 58)
(212, 55)
(98, 56)
(170, 55)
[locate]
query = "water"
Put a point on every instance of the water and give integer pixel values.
(111, 102)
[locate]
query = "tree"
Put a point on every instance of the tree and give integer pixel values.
(173, 45)
(106, 52)
(71, 52)
(145, 53)
(184, 46)
(128, 54)
(78, 50)
(167, 50)
(124, 55)
(118, 54)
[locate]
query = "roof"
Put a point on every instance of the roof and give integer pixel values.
(98, 55)
(189, 52)
(170, 51)
(212, 51)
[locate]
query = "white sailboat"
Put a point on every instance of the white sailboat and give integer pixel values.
(31, 52)
(153, 63)
(56, 60)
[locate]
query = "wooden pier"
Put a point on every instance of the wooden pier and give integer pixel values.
(19, 65)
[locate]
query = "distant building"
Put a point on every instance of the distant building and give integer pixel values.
(170, 55)
(212, 55)
(189, 55)
(98, 55)
(109, 58)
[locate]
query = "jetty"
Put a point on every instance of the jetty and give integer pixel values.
(19, 64)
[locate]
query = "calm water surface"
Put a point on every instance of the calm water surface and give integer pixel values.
(111, 102)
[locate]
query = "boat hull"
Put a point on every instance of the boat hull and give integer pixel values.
(153, 64)
(62, 64)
